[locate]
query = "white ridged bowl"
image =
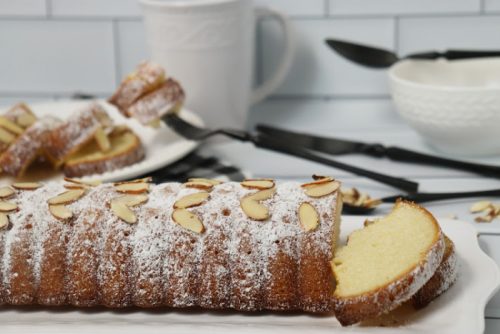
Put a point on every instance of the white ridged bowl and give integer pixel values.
(454, 105)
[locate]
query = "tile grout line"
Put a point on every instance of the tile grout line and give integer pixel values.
(482, 6)
(48, 8)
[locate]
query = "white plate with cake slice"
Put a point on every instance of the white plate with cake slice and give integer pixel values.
(459, 310)
(162, 146)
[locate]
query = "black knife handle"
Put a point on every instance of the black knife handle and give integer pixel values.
(399, 183)
(428, 197)
(401, 154)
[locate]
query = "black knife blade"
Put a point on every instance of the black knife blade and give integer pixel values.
(335, 146)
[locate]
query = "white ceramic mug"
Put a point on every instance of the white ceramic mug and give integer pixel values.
(209, 46)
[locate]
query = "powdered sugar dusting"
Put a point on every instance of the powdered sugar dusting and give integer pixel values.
(157, 262)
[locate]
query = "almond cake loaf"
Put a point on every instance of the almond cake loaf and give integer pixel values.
(248, 246)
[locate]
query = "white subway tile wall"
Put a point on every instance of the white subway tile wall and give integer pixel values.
(54, 48)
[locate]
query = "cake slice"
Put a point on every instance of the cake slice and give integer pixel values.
(77, 131)
(386, 263)
(13, 123)
(125, 149)
(444, 277)
(147, 77)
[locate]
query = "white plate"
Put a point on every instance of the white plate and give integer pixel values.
(162, 145)
(460, 310)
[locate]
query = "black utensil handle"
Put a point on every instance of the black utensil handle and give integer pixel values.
(401, 154)
(462, 54)
(398, 183)
(429, 197)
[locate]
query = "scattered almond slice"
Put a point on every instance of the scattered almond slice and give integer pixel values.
(67, 197)
(132, 200)
(6, 192)
(318, 180)
(102, 140)
(308, 217)
(262, 195)
(253, 209)
(484, 219)
(10, 126)
(211, 181)
(204, 185)
(191, 200)
(7, 206)
(26, 185)
(322, 189)
(480, 206)
(147, 179)
(75, 186)
(6, 137)
(4, 221)
(26, 120)
(188, 220)
(60, 211)
(123, 212)
(368, 222)
(85, 183)
(258, 184)
(132, 188)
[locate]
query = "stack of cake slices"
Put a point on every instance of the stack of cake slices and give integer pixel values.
(403, 257)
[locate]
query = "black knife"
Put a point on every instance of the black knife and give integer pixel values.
(336, 146)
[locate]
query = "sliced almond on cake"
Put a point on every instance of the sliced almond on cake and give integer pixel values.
(93, 183)
(308, 217)
(191, 200)
(262, 195)
(317, 180)
(211, 181)
(253, 209)
(7, 206)
(147, 179)
(60, 211)
(4, 221)
(123, 212)
(132, 188)
(200, 184)
(132, 200)
(25, 120)
(258, 183)
(102, 139)
(6, 192)
(26, 185)
(6, 137)
(188, 220)
(67, 197)
(322, 189)
(10, 126)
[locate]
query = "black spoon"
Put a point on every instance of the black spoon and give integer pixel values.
(381, 58)
(418, 198)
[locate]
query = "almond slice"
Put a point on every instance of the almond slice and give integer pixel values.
(123, 212)
(308, 217)
(253, 209)
(480, 206)
(211, 181)
(188, 220)
(147, 179)
(323, 189)
(263, 194)
(6, 137)
(67, 197)
(60, 211)
(10, 126)
(132, 200)
(132, 188)
(317, 180)
(26, 185)
(26, 120)
(4, 221)
(258, 184)
(6, 192)
(102, 140)
(191, 200)
(85, 183)
(7, 206)
(204, 185)
(75, 186)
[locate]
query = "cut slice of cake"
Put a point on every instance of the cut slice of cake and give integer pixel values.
(125, 149)
(13, 123)
(77, 131)
(386, 263)
(444, 277)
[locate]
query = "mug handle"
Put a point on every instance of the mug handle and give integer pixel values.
(270, 85)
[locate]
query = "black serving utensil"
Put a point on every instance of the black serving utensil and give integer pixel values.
(193, 132)
(418, 198)
(337, 146)
(382, 58)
